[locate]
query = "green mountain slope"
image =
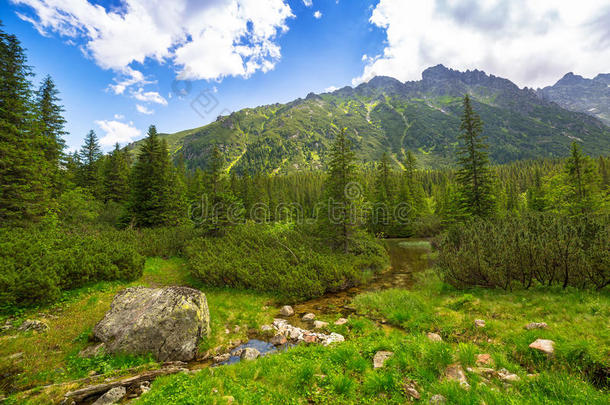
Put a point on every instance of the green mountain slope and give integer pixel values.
(387, 115)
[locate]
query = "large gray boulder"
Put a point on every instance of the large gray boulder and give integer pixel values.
(167, 322)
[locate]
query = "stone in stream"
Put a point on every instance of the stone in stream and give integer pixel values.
(286, 310)
(536, 325)
(319, 324)
(341, 321)
(221, 358)
(112, 396)
(166, 322)
(278, 340)
(308, 317)
(249, 353)
(544, 345)
(380, 357)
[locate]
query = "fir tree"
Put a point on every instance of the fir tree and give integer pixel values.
(24, 187)
(582, 182)
(116, 175)
(342, 191)
(90, 155)
(384, 195)
(474, 175)
(50, 121)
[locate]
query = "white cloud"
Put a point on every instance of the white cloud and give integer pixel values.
(308, 3)
(317, 14)
(202, 39)
(149, 96)
(531, 43)
(119, 117)
(115, 131)
(330, 89)
(143, 110)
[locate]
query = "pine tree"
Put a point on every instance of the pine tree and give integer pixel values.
(90, 155)
(384, 196)
(342, 192)
(413, 194)
(116, 175)
(582, 181)
(24, 187)
(474, 175)
(50, 121)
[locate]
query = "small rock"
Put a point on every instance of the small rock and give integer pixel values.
(308, 317)
(341, 321)
(484, 359)
(536, 325)
(455, 372)
(380, 358)
(482, 371)
(33, 325)
(278, 340)
(145, 387)
(265, 328)
(507, 376)
(92, 373)
(249, 353)
(479, 323)
(229, 399)
(319, 324)
(286, 310)
(333, 338)
(434, 337)
(221, 358)
(111, 397)
(92, 351)
(411, 391)
(227, 331)
(310, 338)
(544, 345)
(296, 334)
(437, 399)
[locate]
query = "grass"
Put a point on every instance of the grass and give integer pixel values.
(71, 321)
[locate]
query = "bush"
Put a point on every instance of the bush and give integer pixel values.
(37, 264)
(284, 259)
(536, 249)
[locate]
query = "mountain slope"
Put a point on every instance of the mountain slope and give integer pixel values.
(387, 115)
(575, 93)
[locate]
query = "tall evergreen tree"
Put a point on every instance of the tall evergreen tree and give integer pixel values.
(384, 195)
(50, 121)
(116, 175)
(90, 155)
(582, 182)
(474, 175)
(24, 187)
(342, 191)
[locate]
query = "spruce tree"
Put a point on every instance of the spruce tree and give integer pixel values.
(116, 175)
(582, 183)
(384, 196)
(24, 186)
(90, 155)
(474, 175)
(50, 121)
(342, 191)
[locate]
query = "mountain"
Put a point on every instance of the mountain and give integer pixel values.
(575, 93)
(385, 114)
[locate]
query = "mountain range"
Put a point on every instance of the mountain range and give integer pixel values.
(386, 115)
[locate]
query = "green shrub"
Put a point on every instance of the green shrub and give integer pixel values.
(37, 264)
(281, 258)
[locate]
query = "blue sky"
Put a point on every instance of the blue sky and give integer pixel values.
(118, 63)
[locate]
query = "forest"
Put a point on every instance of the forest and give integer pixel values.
(76, 227)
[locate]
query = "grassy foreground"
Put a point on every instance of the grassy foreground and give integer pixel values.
(395, 320)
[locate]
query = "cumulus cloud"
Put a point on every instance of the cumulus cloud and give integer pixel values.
(116, 131)
(531, 43)
(143, 110)
(308, 3)
(149, 96)
(119, 116)
(317, 14)
(201, 39)
(330, 89)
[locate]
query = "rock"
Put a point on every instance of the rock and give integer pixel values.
(92, 351)
(112, 396)
(484, 359)
(479, 323)
(319, 324)
(308, 317)
(380, 357)
(544, 345)
(434, 337)
(455, 372)
(92, 373)
(33, 325)
(437, 399)
(278, 340)
(333, 338)
(286, 310)
(411, 391)
(341, 321)
(228, 399)
(221, 358)
(266, 328)
(249, 353)
(310, 338)
(166, 322)
(507, 376)
(482, 371)
(144, 387)
(296, 334)
(536, 325)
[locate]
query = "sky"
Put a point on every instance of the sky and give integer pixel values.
(122, 65)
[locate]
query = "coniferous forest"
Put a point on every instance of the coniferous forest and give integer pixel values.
(513, 253)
